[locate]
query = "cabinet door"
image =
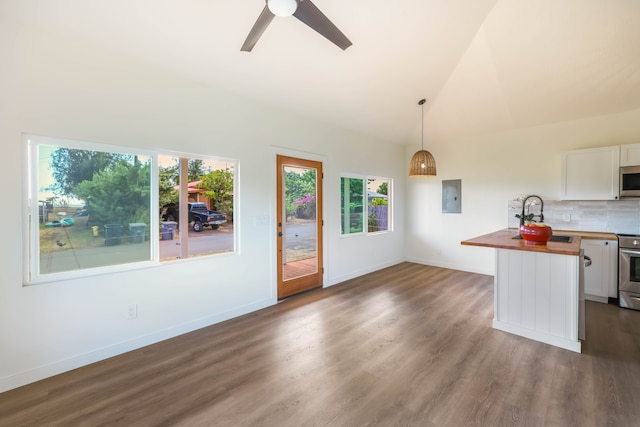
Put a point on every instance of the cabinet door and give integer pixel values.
(630, 155)
(613, 269)
(591, 174)
(602, 274)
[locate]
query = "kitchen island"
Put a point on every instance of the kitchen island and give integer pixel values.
(537, 288)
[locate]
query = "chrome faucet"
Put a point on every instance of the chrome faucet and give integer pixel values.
(524, 204)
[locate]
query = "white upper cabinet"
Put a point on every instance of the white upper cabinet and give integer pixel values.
(591, 174)
(630, 155)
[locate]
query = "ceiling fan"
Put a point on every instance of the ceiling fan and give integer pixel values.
(305, 11)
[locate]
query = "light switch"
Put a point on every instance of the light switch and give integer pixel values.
(262, 219)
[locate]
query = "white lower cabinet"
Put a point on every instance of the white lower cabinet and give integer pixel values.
(601, 278)
(536, 295)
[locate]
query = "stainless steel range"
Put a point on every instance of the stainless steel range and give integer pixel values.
(629, 271)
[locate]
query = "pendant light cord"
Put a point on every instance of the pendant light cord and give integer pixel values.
(421, 103)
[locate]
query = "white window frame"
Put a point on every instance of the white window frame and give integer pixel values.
(31, 234)
(183, 228)
(365, 229)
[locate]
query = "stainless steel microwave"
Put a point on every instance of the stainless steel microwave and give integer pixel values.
(630, 181)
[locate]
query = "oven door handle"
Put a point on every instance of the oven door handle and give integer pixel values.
(629, 252)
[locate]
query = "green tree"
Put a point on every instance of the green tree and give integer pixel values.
(195, 169)
(383, 188)
(167, 179)
(118, 195)
(300, 184)
(356, 190)
(218, 186)
(379, 202)
(297, 186)
(70, 167)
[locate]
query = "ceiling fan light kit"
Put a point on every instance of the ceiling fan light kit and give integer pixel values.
(305, 11)
(282, 7)
(422, 163)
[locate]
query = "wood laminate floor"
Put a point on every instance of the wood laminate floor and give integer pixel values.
(410, 345)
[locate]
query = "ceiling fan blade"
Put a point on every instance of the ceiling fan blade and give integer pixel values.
(261, 24)
(308, 13)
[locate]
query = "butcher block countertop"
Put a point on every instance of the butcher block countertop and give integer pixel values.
(503, 239)
(593, 235)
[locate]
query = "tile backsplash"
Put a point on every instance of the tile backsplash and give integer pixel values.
(615, 216)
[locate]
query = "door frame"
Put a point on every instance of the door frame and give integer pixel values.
(310, 281)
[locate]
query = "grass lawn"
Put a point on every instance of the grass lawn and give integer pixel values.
(77, 236)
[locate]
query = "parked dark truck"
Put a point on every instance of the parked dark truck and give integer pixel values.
(199, 215)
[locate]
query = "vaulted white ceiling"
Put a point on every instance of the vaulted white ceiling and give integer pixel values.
(484, 65)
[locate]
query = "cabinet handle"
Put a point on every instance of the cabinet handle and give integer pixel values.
(636, 298)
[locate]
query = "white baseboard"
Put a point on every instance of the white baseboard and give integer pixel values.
(49, 370)
(55, 368)
(596, 298)
(489, 271)
(358, 273)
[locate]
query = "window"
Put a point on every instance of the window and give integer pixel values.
(378, 191)
(90, 208)
(96, 208)
(196, 218)
(365, 205)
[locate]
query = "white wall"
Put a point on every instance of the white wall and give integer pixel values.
(495, 169)
(54, 86)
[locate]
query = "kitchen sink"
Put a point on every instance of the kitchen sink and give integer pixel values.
(561, 239)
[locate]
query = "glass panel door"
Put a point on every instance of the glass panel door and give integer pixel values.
(299, 225)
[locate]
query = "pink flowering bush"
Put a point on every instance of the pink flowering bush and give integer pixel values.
(306, 206)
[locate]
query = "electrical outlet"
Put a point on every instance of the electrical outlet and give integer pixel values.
(133, 311)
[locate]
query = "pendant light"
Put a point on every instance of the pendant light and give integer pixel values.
(422, 163)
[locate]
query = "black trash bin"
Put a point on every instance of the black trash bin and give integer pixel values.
(168, 228)
(136, 232)
(112, 234)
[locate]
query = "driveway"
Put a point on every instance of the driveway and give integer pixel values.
(205, 242)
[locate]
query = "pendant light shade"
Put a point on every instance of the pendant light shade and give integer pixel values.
(422, 163)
